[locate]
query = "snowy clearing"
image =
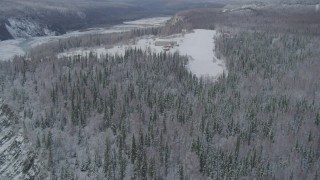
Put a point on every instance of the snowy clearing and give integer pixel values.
(198, 46)
(10, 48)
(157, 21)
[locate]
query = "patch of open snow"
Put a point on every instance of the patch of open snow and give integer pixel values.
(249, 6)
(10, 48)
(19, 138)
(198, 46)
(149, 21)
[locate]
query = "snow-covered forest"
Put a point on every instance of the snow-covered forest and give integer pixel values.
(144, 115)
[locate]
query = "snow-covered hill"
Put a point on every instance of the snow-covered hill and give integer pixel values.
(25, 28)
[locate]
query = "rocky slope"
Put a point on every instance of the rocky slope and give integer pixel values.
(17, 160)
(25, 28)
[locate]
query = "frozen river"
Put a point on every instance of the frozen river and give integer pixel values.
(10, 48)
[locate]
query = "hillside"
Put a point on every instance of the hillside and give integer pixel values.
(16, 152)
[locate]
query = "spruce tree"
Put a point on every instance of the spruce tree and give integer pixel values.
(133, 150)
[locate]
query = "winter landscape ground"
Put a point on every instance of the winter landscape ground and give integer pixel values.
(168, 90)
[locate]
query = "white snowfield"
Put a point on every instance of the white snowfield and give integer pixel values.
(157, 21)
(11, 48)
(199, 46)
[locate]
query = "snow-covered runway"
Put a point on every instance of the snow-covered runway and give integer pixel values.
(200, 47)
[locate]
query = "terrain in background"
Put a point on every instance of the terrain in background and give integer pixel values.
(22, 46)
(22, 19)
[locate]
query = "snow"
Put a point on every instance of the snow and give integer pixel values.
(126, 26)
(149, 21)
(14, 150)
(317, 7)
(19, 138)
(10, 48)
(26, 28)
(198, 46)
(249, 6)
(6, 145)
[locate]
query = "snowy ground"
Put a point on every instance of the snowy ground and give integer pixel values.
(157, 21)
(198, 46)
(10, 48)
